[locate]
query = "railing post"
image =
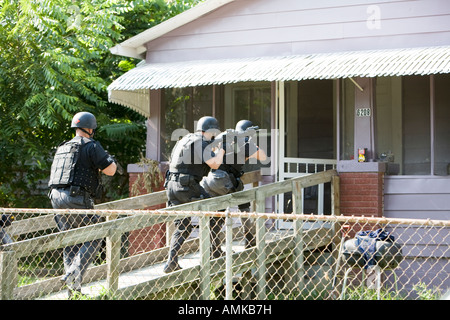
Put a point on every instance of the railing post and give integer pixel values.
(335, 211)
(298, 255)
(8, 271)
(113, 244)
(335, 196)
(205, 258)
(260, 246)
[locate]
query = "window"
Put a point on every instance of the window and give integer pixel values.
(442, 124)
(389, 114)
(250, 101)
(310, 119)
(416, 125)
(181, 108)
(412, 123)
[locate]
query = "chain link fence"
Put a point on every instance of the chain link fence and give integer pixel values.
(313, 257)
(229, 254)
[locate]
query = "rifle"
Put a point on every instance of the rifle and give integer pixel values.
(231, 139)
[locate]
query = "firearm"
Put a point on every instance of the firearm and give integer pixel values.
(119, 167)
(230, 137)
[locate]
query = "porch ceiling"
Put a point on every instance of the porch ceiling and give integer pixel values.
(376, 63)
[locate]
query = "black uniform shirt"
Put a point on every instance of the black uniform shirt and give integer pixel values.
(92, 158)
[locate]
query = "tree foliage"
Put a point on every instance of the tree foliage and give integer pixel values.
(55, 62)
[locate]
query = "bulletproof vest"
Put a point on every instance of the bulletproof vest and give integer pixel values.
(69, 169)
(183, 160)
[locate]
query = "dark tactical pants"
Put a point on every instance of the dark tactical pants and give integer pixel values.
(179, 194)
(219, 183)
(77, 257)
(4, 237)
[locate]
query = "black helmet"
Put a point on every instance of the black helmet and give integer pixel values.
(243, 125)
(207, 123)
(84, 120)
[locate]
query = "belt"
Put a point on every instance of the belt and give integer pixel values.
(75, 190)
(175, 176)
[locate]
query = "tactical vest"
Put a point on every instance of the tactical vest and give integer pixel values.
(182, 158)
(67, 170)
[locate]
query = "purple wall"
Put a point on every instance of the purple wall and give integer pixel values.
(247, 28)
(417, 197)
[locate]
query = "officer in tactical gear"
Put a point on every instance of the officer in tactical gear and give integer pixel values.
(226, 179)
(75, 184)
(192, 158)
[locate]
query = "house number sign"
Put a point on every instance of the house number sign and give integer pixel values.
(363, 112)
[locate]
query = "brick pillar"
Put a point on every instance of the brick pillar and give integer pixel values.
(362, 193)
(361, 190)
(149, 238)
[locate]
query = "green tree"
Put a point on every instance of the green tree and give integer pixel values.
(54, 62)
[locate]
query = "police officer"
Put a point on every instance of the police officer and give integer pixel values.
(75, 183)
(191, 160)
(226, 179)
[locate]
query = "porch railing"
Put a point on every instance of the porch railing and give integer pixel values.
(121, 221)
(305, 262)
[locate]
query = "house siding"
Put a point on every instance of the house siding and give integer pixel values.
(425, 249)
(249, 28)
(417, 197)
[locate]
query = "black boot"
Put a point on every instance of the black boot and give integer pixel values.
(171, 266)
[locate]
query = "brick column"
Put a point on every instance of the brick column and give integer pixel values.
(361, 190)
(149, 238)
(362, 193)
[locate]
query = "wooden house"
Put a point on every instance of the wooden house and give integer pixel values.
(326, 79)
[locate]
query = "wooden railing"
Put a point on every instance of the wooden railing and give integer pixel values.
(137, 219)
(45, 222)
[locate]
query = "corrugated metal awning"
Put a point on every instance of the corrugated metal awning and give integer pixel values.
(376, 63)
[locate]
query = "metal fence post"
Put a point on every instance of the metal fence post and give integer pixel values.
(260, 247)
(228, 256)
(8, 271)
(205, 258)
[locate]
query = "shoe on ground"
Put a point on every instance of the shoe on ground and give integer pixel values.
(71, 277)
(171, 267)
(73, 283)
